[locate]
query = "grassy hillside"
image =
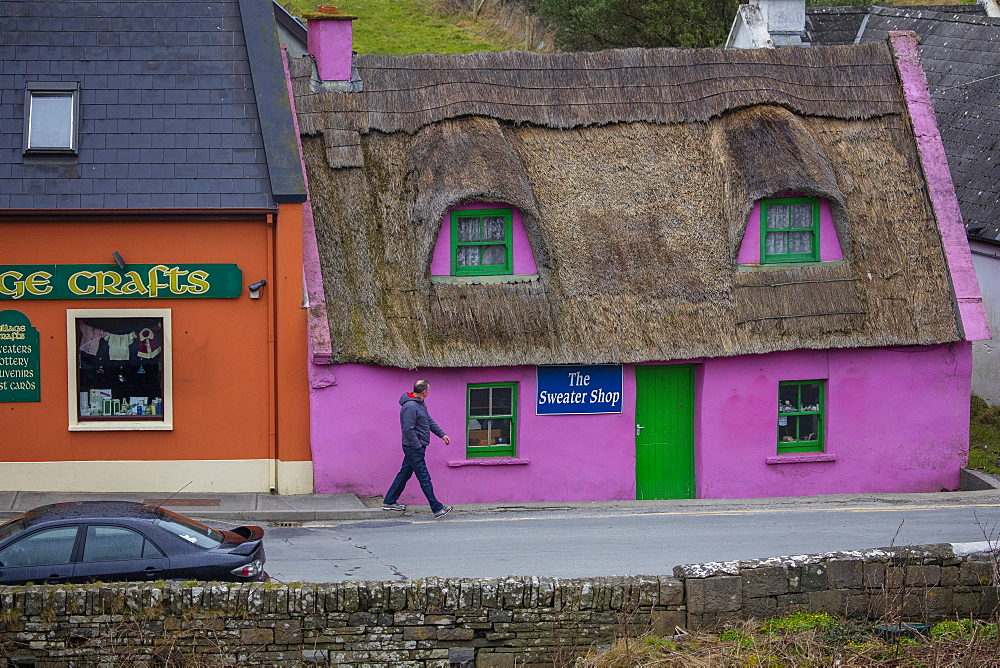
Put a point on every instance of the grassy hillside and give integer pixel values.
(396, 27)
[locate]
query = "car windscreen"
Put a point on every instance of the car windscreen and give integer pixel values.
(191, 531)
(10, 528)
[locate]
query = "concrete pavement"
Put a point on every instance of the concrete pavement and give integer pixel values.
(243, 506)
(251, 507)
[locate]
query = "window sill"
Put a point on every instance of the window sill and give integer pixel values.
(801, 458)
(774, 266)
(490, 461)
(485, 280)
(123, 425)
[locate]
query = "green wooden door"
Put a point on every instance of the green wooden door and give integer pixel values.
(664, 428)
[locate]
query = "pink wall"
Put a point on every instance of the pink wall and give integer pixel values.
(896, 420)
(356, 441)
(829, 244)
(524, 259)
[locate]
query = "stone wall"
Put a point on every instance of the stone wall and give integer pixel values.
(473, 622)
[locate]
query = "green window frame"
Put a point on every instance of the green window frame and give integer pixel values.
(789, 230)
(491, 420)
(482, 242)
(800, 415)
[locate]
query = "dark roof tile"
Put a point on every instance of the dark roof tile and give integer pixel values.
(149, 74)
(960, 50)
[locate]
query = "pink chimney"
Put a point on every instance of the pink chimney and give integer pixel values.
(330, 41)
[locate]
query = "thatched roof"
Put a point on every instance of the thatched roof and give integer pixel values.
(636, 171)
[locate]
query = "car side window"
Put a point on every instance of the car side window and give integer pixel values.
(109, 543)
(47, 547)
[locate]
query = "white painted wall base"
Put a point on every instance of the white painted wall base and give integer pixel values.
(219, 476)
(295, 477)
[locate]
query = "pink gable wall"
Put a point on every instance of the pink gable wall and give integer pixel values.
(829, 244)
(896, 420)
(524, 259)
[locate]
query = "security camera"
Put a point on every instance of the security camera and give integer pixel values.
(254, 288)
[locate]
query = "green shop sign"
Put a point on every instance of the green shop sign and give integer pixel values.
(136, 281)
(19, 359)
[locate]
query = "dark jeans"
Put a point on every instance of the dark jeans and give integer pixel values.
(413, 462)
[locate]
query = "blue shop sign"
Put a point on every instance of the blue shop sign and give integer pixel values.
(572, 390)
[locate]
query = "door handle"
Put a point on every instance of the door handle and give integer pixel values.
(638, 428)
(55, 578)
(152, 570)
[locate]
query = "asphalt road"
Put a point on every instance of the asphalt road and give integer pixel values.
(613, 541)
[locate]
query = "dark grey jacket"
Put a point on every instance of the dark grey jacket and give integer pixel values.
(416, 423)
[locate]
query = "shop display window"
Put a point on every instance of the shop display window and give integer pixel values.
(491, 420)
(120, 362)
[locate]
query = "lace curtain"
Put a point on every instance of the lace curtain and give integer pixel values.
(486, 228)
(788, 217)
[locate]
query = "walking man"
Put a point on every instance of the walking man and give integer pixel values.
(416, 425)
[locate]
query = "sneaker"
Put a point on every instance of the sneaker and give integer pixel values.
(393, 506)
(441, 513)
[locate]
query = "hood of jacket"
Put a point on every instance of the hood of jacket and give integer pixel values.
(407, 396)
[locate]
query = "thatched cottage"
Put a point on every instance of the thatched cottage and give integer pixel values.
(636, 273)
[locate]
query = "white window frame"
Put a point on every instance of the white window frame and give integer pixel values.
(167, 424)
(52, 88)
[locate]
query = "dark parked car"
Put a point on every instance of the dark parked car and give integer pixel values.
(121, 540)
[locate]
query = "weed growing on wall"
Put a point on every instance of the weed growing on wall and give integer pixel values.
(806, 639)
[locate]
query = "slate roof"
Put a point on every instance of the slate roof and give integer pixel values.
(169, 113)
(840, 24)
(961, 55)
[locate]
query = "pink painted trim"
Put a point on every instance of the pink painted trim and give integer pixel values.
(321, 350)
(487, 461)
(801, 459)
(829, 243)
(524, 258)
(940, 186)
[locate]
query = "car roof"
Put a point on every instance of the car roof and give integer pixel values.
(83, 510)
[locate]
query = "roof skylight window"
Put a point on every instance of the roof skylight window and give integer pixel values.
(51, 117)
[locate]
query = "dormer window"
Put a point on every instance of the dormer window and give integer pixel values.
(51, 117)
(790, 230)
(481, 242)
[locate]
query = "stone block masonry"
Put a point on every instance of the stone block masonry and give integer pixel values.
(495, 623)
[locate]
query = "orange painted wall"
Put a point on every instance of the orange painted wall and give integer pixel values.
(222, 371)
(292, 352)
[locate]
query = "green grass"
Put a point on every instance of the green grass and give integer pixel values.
(803, 639)
(984, 437)
(398, 27)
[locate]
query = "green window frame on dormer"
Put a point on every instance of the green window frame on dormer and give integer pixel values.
(789, 230)
(482, 242)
